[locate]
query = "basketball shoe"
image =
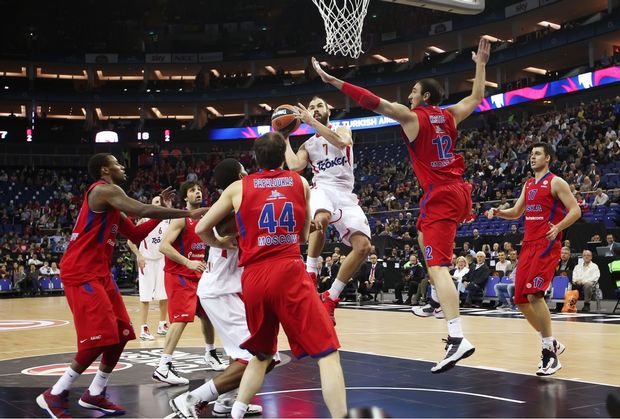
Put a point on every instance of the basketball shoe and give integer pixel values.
(456, 349)
(56, 405)
(184, 405)
(431, 309)
(329, 304)
(101, 403)
(162, 329)
(145, 333)
(550, 363)
(558, 349)
(169, 375)
(213, 361)
(222, 408)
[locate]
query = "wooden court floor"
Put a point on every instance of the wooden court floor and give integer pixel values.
(504, 344)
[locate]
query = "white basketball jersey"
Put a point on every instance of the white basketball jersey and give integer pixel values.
(222, 276)
(149, 247)
(331, 166)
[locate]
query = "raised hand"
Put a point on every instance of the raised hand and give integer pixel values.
(484, 51)
(491, 213)
(304, 114)
(167, 195)
(327, 78)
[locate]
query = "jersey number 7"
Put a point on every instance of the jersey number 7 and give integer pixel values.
(267, 219)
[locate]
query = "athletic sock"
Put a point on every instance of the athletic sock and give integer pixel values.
(165, 358)
(238, 409)
(547, 343)
(434, 294)
(209, 347)
(99, 383)
(206, 392)
(65, 382)
(336, 289)
(311, 264)
(455, 330)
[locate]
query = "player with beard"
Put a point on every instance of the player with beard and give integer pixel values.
(330, 154)
(101, 321)
(184, 252)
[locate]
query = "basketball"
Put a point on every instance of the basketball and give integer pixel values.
(284, 120)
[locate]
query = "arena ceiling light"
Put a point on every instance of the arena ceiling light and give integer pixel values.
(270, 69)
(265, 106)
(435, 49)
(401, 60)
(215, 72)
(535, 70)
(381, 58)
(157, 112)
(547, 24)
(213, 111)
(491, 38)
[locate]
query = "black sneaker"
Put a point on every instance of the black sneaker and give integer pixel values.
(456, 349)
(550, 363)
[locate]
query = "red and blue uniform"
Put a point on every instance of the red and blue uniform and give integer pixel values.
(439, 169)
(539, 256)
(276, 287)
(92, 294)
(181, 282)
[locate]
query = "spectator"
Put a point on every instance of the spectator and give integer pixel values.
(476, 242)
(19, 279)
(505, 290)
(504, 204)
(45, 270)
(460, 271)
(54, 269)
(600, 198)
(476, 280)
(34, 260)
(503, 265)
(325, 275)
(4, 273)
(585, 278)
(494, 251)
(514, 237)
(412, 278)
(371, 278)
(467, 250)
(32, 280)
(566, 264)
(583, 205)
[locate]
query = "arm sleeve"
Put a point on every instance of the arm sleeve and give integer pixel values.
(136, 233)
(365, 98)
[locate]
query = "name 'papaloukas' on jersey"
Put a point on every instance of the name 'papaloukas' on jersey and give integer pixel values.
(271, 216)
(331, 166)
(432, 153)
(541, 208)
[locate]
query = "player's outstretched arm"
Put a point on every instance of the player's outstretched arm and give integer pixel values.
(341, 137)
(365, 98)
(560, 188)
(217, 213)
(511, 213)
(466, 106)
(295, 161)
(104, 196)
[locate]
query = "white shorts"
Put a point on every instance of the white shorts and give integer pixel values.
(151, 281)
(347, 215)
(227, 314)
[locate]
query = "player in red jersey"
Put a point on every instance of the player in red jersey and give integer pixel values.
(545, 200)
(273, 218)
(101, 321)
(430, 134)
(184, 255)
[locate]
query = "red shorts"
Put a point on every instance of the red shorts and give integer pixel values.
(537, 263)
(183, 302)
(97, 307)
(283, 292)
(442, 209)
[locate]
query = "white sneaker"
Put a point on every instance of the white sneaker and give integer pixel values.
(145, 333)
(558, 348)
(550, 363)
(162, 329)
(169, 375)
(439, 314)
(213, 361)
(456, 349)
(185, 405)
(427, 311)
(222, 408)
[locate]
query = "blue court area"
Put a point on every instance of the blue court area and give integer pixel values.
(401, 387)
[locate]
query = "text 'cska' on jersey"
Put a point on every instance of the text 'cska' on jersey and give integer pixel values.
(190, 245)
(271, 216)
(541, 208)
(432, 153)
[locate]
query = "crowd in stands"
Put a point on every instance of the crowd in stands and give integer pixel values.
(39, 206)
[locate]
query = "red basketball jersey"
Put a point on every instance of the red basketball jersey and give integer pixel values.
(271, 216)
(432, 153)
(89, 253)
(189, 245)
(541, 208)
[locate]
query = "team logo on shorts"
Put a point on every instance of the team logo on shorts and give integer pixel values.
(538, 282)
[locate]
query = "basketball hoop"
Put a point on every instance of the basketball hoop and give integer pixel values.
(344, 20)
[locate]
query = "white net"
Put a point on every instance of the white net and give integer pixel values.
(344, 20)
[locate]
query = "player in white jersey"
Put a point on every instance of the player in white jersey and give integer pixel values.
(151, 275)
(330, 154)
(219, 291)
